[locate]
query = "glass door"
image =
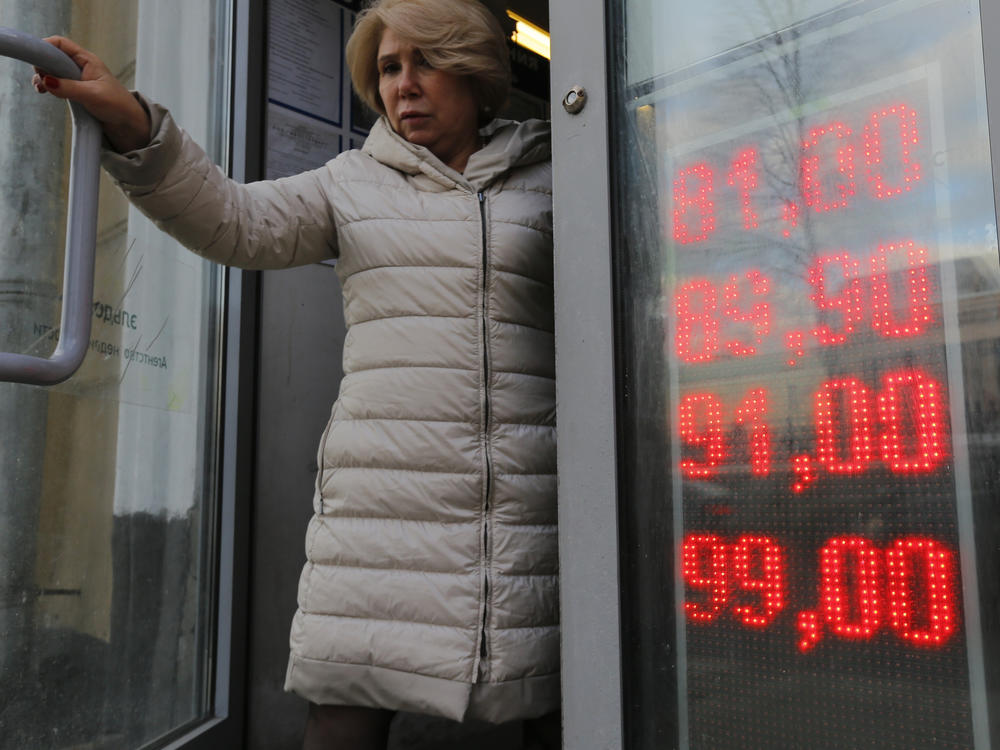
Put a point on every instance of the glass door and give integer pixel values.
(785, 483)
(109, 481)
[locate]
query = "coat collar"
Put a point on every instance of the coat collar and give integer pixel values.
(509, 144)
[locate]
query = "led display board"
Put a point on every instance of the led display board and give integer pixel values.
(828, 261)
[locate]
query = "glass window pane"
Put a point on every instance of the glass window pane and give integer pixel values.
(808, 288)
(108, 481)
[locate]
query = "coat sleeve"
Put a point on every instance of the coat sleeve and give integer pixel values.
(270, 224)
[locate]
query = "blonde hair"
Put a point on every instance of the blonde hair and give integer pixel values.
(457, 36)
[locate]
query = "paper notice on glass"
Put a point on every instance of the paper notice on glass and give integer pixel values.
(297, 144)
(305, 69)
(146, 334)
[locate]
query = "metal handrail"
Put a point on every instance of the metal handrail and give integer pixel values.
(81, 226)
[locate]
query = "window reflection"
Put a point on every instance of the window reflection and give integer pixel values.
(107, 481)
(808, 286)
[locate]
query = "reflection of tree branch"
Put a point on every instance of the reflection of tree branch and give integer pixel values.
(774, 177)
(782, 171)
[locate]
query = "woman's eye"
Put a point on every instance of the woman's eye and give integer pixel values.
(390, 68)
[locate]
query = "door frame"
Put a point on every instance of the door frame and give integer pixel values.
(585, 382)
(225, 726)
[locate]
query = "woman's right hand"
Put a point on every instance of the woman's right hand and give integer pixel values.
(124, 121)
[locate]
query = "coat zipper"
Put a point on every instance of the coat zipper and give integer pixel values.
(486, 442)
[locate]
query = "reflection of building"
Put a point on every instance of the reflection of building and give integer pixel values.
(980, 349)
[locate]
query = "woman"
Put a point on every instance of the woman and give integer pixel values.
(431, 581)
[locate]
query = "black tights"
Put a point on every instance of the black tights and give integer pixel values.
(356, 728)
(346, 728)
(543, 733)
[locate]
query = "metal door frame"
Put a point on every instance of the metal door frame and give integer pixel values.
(585, 385)
(226, 726)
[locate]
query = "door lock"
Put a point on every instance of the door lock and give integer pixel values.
(575, 100)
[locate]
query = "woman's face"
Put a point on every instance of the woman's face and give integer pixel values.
(427, 106)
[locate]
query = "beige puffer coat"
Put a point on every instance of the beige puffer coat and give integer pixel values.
(431, 581)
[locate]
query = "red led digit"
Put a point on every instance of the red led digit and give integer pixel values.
(849, 587)
(704, 569)
(759, 313)
(695, 409)
(743, 176)
(812, 187)
(848, 301)
(911, 407)
(693, 190)
(921, 591)
(906, 130)
(696, 338)
(804, 470)
(844, 397)
(759, 567)
(752, 412)
(919, 314)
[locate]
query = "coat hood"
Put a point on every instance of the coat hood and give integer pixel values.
(509, 144)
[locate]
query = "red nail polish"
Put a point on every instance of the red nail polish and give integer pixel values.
(51, 82)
